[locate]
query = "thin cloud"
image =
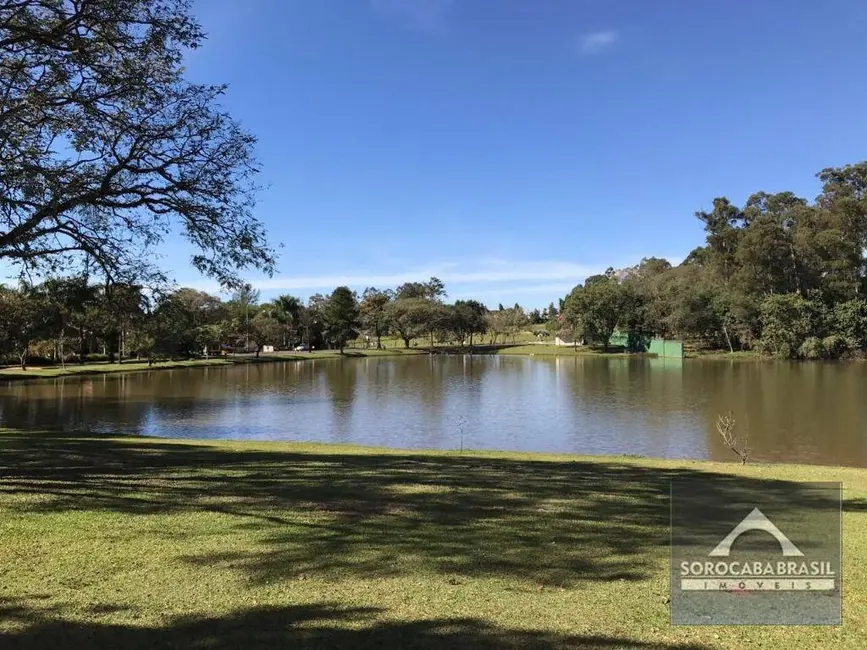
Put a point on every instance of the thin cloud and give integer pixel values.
(597, 42)
(552, 289)
(457, 276)
(426, 15)
(491, 273)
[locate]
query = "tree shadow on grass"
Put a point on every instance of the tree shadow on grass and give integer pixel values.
(334, 514)
(304, 626)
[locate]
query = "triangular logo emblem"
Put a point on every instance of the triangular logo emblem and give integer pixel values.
(756, 520)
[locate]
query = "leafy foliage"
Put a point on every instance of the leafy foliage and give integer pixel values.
(342, 318)
(106, 146)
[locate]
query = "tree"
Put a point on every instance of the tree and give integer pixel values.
(265, 330)
(850, 322)
(469, 319)
(188, 321)
(374, 312)
(408, 317)
(505, 322)
(788, 320)
(596, 308)
(433, 290)
(65, 301)
(552, 311)
(723, 228)
(411, 290)
(766, 259)
(313, 320)
(342, 318)
(434, 319)
(122, 308)
(243, 307)
(22, 320)
(286, 310)
(105, 146)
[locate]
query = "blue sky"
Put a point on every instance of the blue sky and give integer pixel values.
(512, 147)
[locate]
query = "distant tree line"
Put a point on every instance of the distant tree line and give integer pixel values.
(780, 275)
(106, 147)
(72, 320)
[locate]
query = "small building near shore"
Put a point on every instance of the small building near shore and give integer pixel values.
(564, 339)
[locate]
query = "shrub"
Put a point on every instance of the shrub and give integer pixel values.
(850, 322)
(836, 346)
(811, 348)
(788, 321)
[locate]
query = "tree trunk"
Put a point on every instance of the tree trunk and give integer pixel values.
(378, 340)
(23, 358)
(405, 341)
(728, 340)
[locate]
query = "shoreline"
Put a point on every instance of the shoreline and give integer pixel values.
(311, 447)
(752, 468)
(13, 373)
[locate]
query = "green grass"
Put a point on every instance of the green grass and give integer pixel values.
(348, 352)
(556, 350)
(101, 368)
(725, 354)
(35, 372)
(147, 543)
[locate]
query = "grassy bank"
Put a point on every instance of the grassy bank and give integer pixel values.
(35, 372)
(533, 349)
(143, 543)
(538, 349)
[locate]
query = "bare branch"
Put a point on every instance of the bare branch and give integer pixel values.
(725, 425)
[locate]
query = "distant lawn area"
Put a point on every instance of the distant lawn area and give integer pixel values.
(546, 349)
(101, 368)
(147, 543)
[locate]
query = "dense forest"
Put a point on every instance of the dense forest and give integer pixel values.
(780, 275)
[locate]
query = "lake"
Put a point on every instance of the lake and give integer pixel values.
(794, 412)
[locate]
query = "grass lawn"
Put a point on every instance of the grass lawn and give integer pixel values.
(147, 543)
(544, 349)
(35, 372)
(347, 352)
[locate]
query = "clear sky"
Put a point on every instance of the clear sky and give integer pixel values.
(512, 147)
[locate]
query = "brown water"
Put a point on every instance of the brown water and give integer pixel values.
(796, 412)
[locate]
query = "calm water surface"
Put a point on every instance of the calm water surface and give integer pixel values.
(815, 413)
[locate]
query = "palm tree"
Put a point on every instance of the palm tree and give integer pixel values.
(286, 310)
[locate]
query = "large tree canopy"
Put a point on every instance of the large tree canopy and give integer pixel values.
(105, 147)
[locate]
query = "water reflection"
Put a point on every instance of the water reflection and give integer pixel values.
(594, 405)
